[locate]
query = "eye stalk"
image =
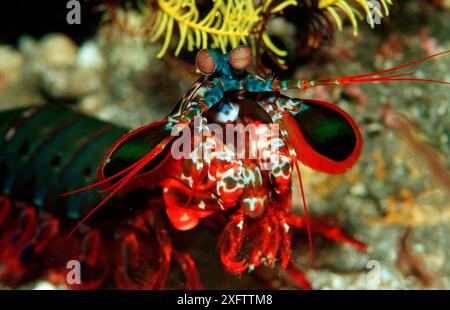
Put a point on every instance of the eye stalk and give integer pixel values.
(241, 57)
(205, 62)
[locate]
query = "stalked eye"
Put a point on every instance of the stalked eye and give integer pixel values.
(241, 57)
(205, 62)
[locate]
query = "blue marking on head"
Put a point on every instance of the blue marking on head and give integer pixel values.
(223, 67)
(228, 66)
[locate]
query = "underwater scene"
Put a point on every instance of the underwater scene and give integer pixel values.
(226, 144)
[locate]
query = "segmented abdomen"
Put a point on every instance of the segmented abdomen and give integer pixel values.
(50, 150)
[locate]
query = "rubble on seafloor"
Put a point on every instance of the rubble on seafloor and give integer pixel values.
(396, 199)
(114, 76)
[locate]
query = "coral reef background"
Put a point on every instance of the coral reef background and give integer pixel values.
(396, 199)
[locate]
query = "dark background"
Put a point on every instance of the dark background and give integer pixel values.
(40, 17)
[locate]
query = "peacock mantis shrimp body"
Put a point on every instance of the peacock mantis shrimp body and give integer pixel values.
(224, 156)
(254, 197)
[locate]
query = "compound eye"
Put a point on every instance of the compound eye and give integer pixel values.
(205, 62)
(241, 57)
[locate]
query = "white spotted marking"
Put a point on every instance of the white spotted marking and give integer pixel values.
(240, 225)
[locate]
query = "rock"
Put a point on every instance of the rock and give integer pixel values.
(90, 56)
(93, 103)
(57, 50)
(57, 67)
(11, 64)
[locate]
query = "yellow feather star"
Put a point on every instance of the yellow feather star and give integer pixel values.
(227, 24)
(372, 10)
(230, 23)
